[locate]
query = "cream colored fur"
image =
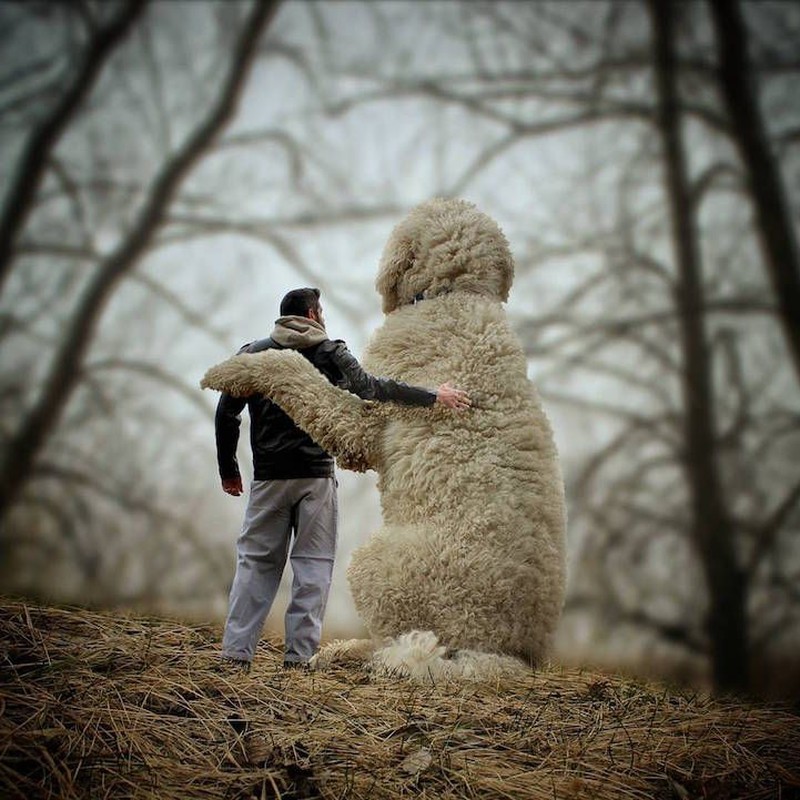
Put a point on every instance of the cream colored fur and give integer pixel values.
(471, 554)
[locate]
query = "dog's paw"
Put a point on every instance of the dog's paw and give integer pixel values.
(239, 376)
(353, 461)
(214, 378)
(232, 376)
(343, 652)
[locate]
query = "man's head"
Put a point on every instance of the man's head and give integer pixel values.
(302, 303)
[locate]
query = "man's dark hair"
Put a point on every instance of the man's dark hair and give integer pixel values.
(299, 302)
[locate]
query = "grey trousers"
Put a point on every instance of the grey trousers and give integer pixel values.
(307, 507)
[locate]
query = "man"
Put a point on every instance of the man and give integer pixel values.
(294, 488)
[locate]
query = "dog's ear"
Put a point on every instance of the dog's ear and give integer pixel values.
(397, 259)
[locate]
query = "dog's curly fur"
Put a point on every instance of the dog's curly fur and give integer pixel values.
(472, 547)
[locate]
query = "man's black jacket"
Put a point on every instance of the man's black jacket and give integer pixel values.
(280, 449)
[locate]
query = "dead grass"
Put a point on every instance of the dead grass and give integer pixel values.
(95, 706)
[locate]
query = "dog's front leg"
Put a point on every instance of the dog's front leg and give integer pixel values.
(341, 423)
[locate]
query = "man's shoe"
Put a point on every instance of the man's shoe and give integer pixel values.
(230, 664)
(302, 665)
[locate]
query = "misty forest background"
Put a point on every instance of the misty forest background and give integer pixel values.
(170, 169)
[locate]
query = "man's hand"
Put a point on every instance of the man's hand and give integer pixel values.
(451, 397)
(232, 486)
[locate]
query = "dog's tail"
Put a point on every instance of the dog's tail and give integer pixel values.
(419, 656)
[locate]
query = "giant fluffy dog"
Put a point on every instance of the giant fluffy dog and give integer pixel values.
(466, 576)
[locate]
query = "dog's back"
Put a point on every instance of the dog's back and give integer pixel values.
(473, 544)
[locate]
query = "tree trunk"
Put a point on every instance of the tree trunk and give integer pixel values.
(64, 374)
(775, 229)
(21, 196)
(712, 530)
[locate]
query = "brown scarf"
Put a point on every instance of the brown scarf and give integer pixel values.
(298, 332)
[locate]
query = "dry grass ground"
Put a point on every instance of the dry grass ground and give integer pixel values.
(97, 705)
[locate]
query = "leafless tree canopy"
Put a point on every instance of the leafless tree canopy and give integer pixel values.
(170, 168)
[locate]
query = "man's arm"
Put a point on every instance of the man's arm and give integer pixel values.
(368, 387)
(227, 421)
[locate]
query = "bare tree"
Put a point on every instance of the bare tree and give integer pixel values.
(711, 528)
(775, 229)
(102, 40)
(65, 370)
(106, 498)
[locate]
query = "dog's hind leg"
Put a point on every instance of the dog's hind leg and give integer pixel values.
(411, 589)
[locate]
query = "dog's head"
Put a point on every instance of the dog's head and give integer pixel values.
(444, 246)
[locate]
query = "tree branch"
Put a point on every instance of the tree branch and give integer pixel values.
(65, 369)
(20, 197)
(153, 372)
(189, 315)
(771, 527)
(672, 632)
